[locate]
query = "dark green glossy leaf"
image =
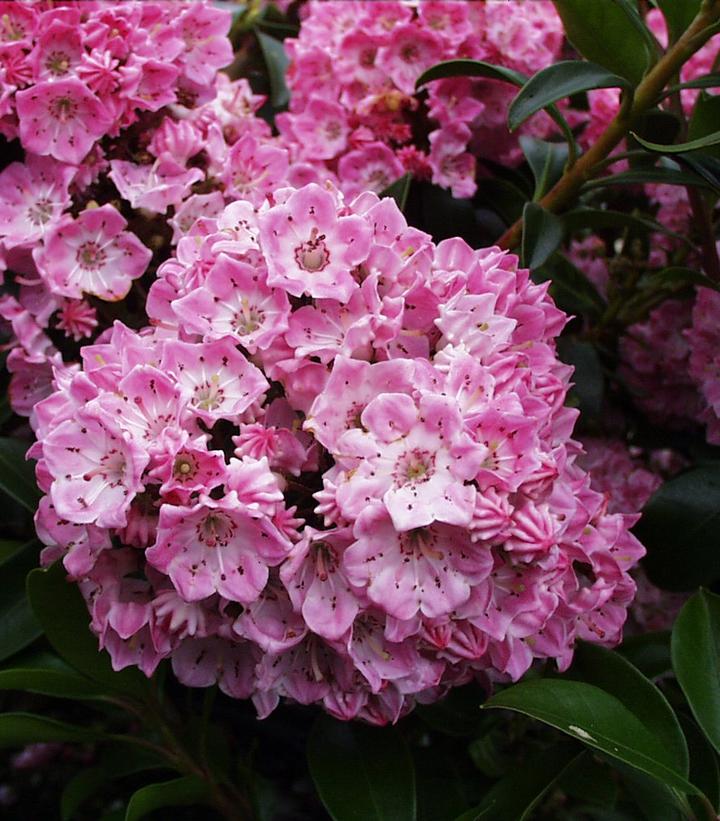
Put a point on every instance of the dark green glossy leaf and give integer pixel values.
(61, 611)
(277, 62)
(479, 68)
(679, 148)
(707, 81)
(680, 527)
(655, 802)
(605, 32)
(546, 160)
(470, 68)
(17, 729)
(640, 176)
(589, 383)
(362, 773)
(49, 682)
(542, 234)
(696, 660)
(678, 14)
(570, 288)
(180, 792)
(649, 652)
(18, 625)
(601, 218)
(704, 769)
(703, 125)
(706, 168)
(399, 190)
(17, 475)
(556, 82)
(677, 277)
(598, 719)
(114, 764)
(516, 795)
(616, 675)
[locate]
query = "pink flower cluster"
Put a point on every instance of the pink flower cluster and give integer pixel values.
(110, 101)
(628, 483)
(655, 366)
(354, 110)
(703, 337)
(337, 468)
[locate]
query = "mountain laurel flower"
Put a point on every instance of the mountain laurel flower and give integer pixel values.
(335, 468)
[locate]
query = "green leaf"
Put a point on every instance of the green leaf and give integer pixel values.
(598, 719)
(678, 14)
(361, 773)
(17, 475)
(546, 160)
(649, 652)
(542, 234)
(680, 148)
(556, 82)
(706, 81)
(607, 33)
(704, 769)
(656, 802)
(640, 176)
(616, 675)
(680, 527)
(470, 68)
(677, 277)
(399, 190)
(589, 383)
(49, 682)
(516, 795)
(180, 792)
(17, 729)
(570, 288)
(114, 764)
(705, 166)
(600, 218)
(696, 660)
(62, 612)
(479, 68)
(18, 625)
(703, 124)
(277, 62)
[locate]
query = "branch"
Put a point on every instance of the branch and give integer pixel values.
(644, 97)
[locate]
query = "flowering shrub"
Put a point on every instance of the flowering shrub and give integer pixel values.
(354, 110)
(339, 464)
(364, 356)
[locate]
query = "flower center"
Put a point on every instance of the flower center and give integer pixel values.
(209, 395)
(216, 530)
(185, 466)
(313, 255)
(62, 108)
(91, 256)
(249, 318)
(57, 63)
(40, 212)
(414, 467)
(409, 53)
(325, 560)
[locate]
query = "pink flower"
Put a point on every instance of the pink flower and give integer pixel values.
(155, 186)
(310, 249)
(204, 29)
(427, 569)
(214, 547)
(254, 170)
(93, 254)
(415, 457)
(97, 470)
(411, 49)
(371, 168)
(215, 378)
(62, 118)
(33, 196)
(77, 318)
